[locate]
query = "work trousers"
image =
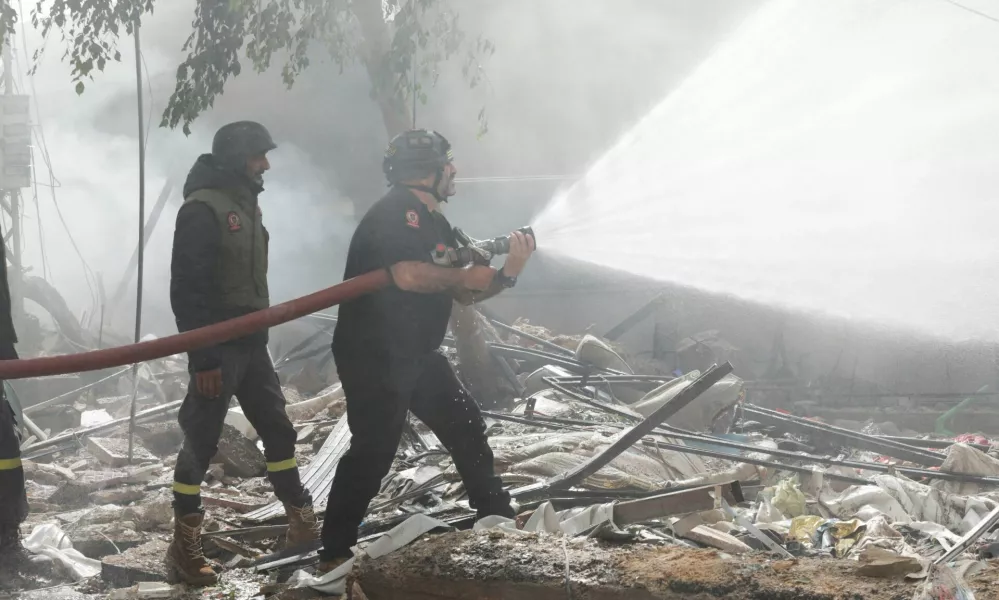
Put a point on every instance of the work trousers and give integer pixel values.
(379, 395)
(13, 499)
(247, 373)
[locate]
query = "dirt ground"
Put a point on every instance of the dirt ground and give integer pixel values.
(491, 565)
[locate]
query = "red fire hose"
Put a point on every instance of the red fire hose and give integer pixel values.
(197, 338)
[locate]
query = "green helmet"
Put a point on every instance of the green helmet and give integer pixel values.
(416, 154)
(236, 142)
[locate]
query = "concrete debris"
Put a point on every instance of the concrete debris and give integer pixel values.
(238, 455)
(162, 439)
(142, 563)
(620, 495)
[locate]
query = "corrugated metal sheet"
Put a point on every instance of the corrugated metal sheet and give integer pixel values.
(318, 478)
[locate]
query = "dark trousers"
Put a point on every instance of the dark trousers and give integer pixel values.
(13, 499)
(379, 395)
(247, 373)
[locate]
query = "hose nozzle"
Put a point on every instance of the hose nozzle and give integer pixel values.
(501, 245)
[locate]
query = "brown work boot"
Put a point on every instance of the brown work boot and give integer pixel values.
(303, 525)
(185, 559)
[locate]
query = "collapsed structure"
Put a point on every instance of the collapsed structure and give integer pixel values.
(655, 484)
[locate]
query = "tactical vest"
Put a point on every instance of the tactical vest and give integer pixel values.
(241, 272)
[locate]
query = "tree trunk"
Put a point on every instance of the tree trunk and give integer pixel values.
(375, 56)
(478, 369)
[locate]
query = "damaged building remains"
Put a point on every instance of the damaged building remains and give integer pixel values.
(755, 354)
(629, 483)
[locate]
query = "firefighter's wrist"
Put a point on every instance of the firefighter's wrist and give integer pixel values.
(505, 280)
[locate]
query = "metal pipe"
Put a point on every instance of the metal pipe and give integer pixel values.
(197, 338)
(680, 434)
(845, 436)
(936, 444)
(631, 436)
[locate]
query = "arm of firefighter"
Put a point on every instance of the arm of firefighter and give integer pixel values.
(196, 243)
(469, 297)
(426, 278)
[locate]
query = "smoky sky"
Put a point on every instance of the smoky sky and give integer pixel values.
(566, 79)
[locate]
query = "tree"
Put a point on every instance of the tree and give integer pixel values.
(401, 43)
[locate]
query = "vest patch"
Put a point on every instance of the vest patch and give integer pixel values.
(412, 219)
(234, 223)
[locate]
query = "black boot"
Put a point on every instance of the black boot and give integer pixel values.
(12, 553)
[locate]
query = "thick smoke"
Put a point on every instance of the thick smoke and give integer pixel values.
(566, 79)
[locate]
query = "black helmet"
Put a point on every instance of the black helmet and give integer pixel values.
(236, 142)
(415, 154)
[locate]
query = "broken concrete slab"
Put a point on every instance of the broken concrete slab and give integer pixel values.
(239, 456)
(142, 563)
(76, 494)
(99, 541)
(162, 439)
(114, 452)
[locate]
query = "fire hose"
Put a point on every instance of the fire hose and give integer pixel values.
(196, 338)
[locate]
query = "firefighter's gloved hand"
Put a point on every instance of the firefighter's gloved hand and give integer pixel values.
(209, 382)
(7, 351)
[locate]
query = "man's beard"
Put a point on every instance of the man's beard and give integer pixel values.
(448, 187)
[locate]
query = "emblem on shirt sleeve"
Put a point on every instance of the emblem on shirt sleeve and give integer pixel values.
(234, 223)
(412, 219)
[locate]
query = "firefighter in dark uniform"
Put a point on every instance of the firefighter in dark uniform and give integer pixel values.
(219, 272)
(386, 344)
(13, 500)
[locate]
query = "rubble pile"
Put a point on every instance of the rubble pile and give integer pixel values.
(650, 482)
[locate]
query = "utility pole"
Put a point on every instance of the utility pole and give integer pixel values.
(15, 173)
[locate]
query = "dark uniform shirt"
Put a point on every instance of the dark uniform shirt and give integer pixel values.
(393, 322)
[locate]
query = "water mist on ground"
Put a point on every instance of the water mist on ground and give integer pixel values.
(841, 157)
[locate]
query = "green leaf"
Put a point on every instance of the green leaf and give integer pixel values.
(79, 87)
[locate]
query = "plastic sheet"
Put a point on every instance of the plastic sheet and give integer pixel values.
(788, 499)
(335, 582)
(51, 541)
(944, 583)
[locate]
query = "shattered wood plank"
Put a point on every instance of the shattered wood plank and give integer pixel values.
(664, 505)
(630, 437)
(318, 478)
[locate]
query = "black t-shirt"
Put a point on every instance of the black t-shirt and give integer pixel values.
(392, 322)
